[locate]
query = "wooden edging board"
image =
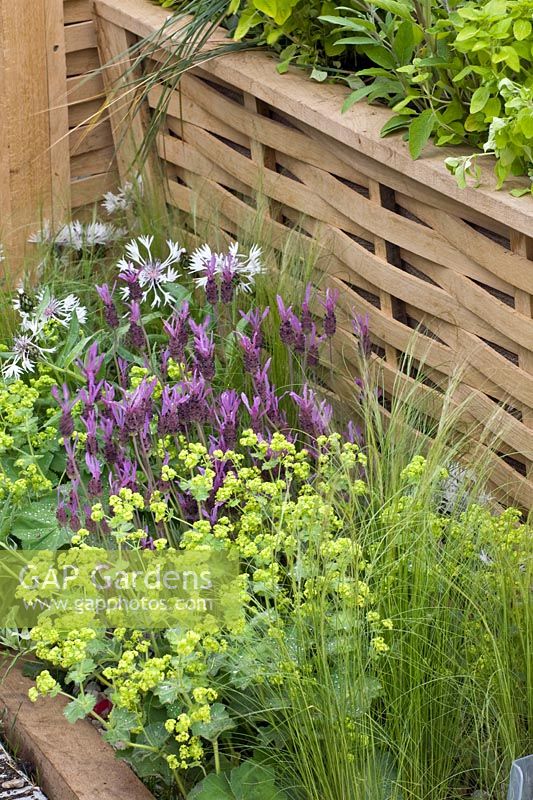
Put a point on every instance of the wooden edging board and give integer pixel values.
(71, 761)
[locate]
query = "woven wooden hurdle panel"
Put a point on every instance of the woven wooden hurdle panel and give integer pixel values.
(442, 272)
(56, 157)
(88, 136)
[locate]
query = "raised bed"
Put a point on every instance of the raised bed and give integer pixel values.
(399, 239)
(72, 762)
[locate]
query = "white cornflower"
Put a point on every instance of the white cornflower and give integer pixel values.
(72, 305)
(78, 235)
(44, 236)
(47, 308)
(245, 266)
(26, 351)
(82, 236)
(125, 197)
(153, 275)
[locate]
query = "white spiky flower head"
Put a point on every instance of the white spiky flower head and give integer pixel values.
(45, 308)
(78, 235)
(125, 198)
(246, 266)
(154, 275)
(27, 349)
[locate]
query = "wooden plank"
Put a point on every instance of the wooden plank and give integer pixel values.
(128, 128)
(523, 246)
(81, 88)
(25, 122)
(81, 36)
(182, 154)
(87, 138)
(510, 266)
(58, 113)
(5, 176)
(57, 749)
(77, 11)
(93, 163)
(92, 189)
(82, 62)
(381, 251)
(441, 276)
(240, 125)
(88, 113)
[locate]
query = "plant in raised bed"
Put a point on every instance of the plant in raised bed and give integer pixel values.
(375, 610)
(447, 70)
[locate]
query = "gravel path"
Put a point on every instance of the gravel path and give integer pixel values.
(14, 785)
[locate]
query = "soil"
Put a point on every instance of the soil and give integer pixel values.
(14, 784)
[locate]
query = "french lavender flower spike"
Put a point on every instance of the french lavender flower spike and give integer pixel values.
(136, 336)
(361, 328)
(66, 424)
(110, 311)
(330, 307)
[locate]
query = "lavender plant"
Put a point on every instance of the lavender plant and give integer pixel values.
(161, 381)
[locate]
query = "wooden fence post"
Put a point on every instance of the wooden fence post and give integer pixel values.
(32, 55)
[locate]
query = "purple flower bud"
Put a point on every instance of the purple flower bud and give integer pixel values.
(286, 329)
(169, 419)
(298, 334)
(226, 417)
(126, 472)
(204, 349)
(262, 381)
(133, 290)
(95, 487)
(61, 513)
(66, 424)
(211, 288)
(330, 306)
(89, 420)
(354, 434)
(255, 410)
(312, 344)
(72, 466)
(193, 405)
(252, 352)
(73, 506)
(137, 404)
(110, 311)
(255, 319)
(92, 364)
(136, 337)
(361, 328)
(90, 524)
(147, 543)
(314, 416)
(177, 332)
(189, 506)
(229, 278)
